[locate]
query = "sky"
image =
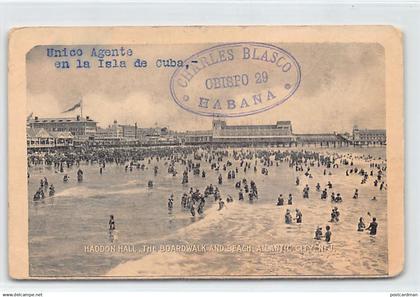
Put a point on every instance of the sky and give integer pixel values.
(342, 85)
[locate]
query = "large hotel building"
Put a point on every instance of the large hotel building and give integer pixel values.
(281, 132)
(78, 126)
(49, 132)
(365, 136)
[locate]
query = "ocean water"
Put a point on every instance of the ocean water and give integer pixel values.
(65, 228)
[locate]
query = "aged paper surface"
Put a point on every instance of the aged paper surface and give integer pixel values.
(206, 152)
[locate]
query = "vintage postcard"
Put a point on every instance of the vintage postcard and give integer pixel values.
(206, 152)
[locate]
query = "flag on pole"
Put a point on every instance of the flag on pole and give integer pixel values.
(78, 105)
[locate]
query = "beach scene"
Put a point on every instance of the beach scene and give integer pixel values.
(65, 228)
(207, 160)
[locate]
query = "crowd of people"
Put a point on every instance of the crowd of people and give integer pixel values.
(231, 165)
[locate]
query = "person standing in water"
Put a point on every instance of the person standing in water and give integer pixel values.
(356, 194)
(241, 195)
(111, 223)
(318, 233)
(280, 200)
(171, 201)
(327, 234)
(373, 227)
(335, 214)
(52, 190)
(290, 200)
(288, 217)
(361, 225)
(298, 216)
(192, 210)
(221, 204)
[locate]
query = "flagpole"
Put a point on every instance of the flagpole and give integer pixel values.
(81, 108)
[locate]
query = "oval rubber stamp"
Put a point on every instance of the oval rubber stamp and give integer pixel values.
(235, 79)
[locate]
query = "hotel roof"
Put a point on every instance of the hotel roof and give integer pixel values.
(60, 120)
(271, 126)
(42, 133)
(37, 133)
